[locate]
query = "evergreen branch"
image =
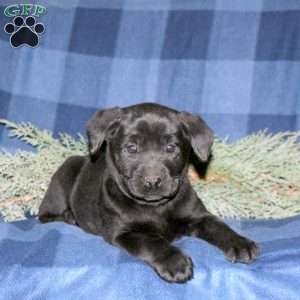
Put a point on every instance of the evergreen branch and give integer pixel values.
(257, 177)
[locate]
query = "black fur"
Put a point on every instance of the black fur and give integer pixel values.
(133, 189)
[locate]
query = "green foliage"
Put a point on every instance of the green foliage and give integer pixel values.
(256, 177)
(24, 176)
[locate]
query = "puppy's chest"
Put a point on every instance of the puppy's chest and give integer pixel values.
(167, 225)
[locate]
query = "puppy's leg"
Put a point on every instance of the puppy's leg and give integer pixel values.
(216, 232)
(54, 205)
(168, 261)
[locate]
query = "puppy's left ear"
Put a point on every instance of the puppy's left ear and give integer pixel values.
(201, 135)
(102, 125)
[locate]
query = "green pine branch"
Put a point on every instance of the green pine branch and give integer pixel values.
(256, 177)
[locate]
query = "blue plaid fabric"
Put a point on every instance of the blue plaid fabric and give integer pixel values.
(237, 63)
(56, 261)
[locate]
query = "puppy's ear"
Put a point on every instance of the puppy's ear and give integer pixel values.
(102, 125)
(201, 135)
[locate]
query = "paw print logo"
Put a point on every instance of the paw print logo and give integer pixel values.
(24, 31)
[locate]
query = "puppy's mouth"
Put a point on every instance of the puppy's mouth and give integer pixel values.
(154, 198)
(151, 199)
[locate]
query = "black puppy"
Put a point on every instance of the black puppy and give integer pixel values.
(133, 190)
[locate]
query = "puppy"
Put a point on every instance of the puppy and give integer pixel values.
(133, 188)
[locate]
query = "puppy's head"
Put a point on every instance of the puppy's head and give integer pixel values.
(148, 148)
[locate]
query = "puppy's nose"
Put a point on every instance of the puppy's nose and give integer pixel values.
(152, 182)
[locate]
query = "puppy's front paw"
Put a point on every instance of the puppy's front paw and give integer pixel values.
(241, 250)
(174, 267)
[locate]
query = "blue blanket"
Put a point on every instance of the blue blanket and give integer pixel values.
(234, 62)
(60, 261)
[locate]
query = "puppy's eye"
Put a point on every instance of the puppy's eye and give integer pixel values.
(131, 148)
(171, 148)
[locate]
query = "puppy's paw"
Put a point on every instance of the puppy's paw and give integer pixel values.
(174, 267)
(241, 250)
(69, 217)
